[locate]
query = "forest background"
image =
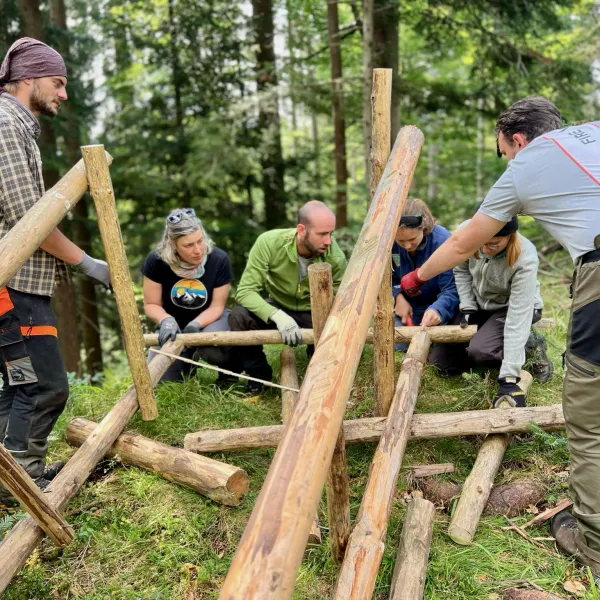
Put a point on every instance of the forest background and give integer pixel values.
(245, 110)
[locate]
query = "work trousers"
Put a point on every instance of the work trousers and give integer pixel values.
(225, 357)
(35, 387)
(581, 405)
(253, 357)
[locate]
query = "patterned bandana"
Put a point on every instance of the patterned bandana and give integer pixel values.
(28, 58)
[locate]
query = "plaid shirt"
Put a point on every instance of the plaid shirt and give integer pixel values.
(21, 186)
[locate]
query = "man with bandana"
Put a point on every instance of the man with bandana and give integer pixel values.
(33, 78)
(278, 265)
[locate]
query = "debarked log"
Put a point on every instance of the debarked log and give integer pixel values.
(218, 481)
(423, 426)
(443, 334)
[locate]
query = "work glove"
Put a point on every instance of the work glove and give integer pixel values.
(168, 330)
(193, 327)
(94, 268)
(509, 391)
(466, 315)
(288, 328)
(537, 315)
(411, 283)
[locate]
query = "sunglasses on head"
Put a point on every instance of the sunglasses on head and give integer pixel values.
(412, 221)
(176, 217)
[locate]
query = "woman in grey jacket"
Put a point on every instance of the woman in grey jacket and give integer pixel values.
(499, 292)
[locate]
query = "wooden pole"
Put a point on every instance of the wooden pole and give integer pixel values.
(271, 549)
(356, 580)
(21, 486)
(360, 431)
(337, 488)
(26, 535)
(478, 485)
(383, 319)
(408, 580)
(216, 480)
(442, 334)
(108, 223)
(289, 378)
(38, 222)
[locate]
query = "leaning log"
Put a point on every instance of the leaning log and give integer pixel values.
(477, 487)
(289, 378)
(337, 488)
(356, 580)
(216, 480)
(442, 334)
(268, 556)
(21, 486)
(26, 535)
(383, 319)
(408, 580)
(40, 220)
(359, 431)
(102, 192)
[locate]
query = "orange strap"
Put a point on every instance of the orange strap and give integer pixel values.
(39, 330)
(5, 301)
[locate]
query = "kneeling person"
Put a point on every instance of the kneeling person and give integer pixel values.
(278, 265)
(186, 285)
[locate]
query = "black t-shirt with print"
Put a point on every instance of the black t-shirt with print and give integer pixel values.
(185, 298)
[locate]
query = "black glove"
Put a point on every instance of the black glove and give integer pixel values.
(510, 391)
(466, 317)
(193, 327)
(537, 315)
(168, 330)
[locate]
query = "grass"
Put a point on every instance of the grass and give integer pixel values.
(140, 537)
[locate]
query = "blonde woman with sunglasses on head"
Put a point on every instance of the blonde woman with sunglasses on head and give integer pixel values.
(186, 286)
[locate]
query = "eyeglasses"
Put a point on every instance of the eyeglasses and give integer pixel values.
(176, 217)
(412, 221)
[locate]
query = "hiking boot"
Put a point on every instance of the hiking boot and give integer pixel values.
(535, 351)
(226, 381)
(254, 388)
(52, 470)
(41, 482)
(566, 533)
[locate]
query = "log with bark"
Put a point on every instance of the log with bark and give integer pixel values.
(367, 541)
(216, 480)
(26, 535)
(271, 549)
(423, 426)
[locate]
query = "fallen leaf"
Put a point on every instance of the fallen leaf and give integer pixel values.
(532, 509)
(574, 587)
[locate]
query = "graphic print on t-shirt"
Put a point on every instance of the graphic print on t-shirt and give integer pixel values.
(189, 293)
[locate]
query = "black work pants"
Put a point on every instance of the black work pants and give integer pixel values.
(35, 387)
(253, 357)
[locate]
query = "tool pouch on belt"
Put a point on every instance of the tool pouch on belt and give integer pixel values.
(12, 345)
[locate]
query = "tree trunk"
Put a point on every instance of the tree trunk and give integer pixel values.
(367, 29)
(175, 69)
(339, 126)
(269, 124)
(386, 17)
(32, 18)
(432, 172)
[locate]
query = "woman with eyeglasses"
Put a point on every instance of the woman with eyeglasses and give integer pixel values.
(417, 237)
(186, 285)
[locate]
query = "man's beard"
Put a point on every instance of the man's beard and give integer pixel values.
(40, 104)
(314, 250)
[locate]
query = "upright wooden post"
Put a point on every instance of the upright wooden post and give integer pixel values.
(478, 485)
(356, 580)
(26, 535)
(108, 222)
(289, 378)
(383, 321)
(408, 580)
(271, 549)
(26, 236)
(21, 486)
(337, 488)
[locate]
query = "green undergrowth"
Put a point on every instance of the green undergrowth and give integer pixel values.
(141, 537)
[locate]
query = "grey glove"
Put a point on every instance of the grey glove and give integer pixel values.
(288, 328)
(193, 327)
(94, 268)
(168, 330)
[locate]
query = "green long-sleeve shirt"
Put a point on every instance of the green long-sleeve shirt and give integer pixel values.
(273, 267)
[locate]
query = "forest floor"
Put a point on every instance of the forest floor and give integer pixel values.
(141, 537)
